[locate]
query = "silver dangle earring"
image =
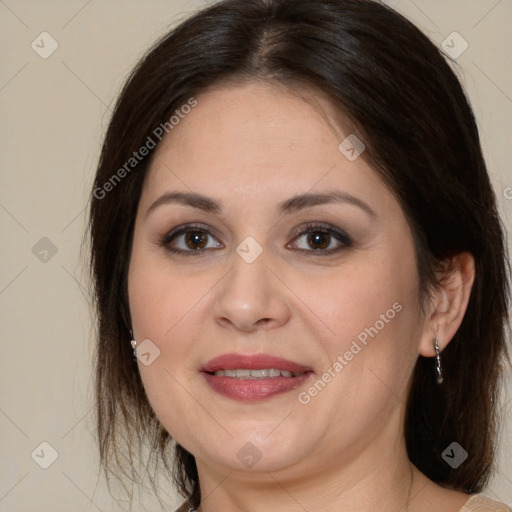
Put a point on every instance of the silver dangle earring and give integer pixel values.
(134, 346)
(438, 362)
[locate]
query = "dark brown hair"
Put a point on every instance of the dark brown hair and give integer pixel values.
(394, 85)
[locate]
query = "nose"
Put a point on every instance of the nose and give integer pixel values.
(251, 297)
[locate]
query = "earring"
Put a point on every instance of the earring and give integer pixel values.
(438, 362)
(134, 346)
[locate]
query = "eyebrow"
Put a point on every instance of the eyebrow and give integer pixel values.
(294, 204)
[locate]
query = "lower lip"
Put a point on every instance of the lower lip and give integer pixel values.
(252, 390)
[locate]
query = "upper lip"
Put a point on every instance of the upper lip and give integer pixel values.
(235, 361)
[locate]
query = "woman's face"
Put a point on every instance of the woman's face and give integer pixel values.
(276, 268)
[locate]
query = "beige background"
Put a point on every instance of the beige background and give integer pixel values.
(54, 112)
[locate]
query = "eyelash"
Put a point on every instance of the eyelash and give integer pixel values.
(324, 229)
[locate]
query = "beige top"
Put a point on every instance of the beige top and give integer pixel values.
(481, 503)
(477, 503)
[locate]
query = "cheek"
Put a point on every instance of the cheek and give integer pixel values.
(161, 312)
(370, 347)
(365, 302)
(159, 297)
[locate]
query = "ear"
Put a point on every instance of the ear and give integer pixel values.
(448, 303)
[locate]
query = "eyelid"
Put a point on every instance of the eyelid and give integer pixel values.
(184, 228)
(311, 226)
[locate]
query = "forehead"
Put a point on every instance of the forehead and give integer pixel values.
(262, 142)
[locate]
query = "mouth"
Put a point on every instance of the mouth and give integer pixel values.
(253, 377)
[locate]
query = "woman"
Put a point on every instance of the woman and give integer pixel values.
(293, 227)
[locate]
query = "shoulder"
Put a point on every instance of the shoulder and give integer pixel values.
(481, 503)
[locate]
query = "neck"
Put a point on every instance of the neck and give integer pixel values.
(382, 478)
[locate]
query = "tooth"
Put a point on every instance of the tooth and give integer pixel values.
(244, 373)
(259, 373)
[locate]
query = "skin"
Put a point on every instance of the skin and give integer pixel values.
(251, 146)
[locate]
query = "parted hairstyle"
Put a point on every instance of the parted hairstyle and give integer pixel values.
(393, 84)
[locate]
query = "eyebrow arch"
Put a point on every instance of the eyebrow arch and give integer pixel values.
(303, 201)
(198, 201)
(295, 203)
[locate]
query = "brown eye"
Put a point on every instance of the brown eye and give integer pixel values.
(319, 240)
(196, 239)
(190, 240)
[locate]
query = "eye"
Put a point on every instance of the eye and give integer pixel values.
(189, 240)
(323, 239)
(194, 240)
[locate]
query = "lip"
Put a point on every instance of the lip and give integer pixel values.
(253, 389)
(248, 390)
(233, 361)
